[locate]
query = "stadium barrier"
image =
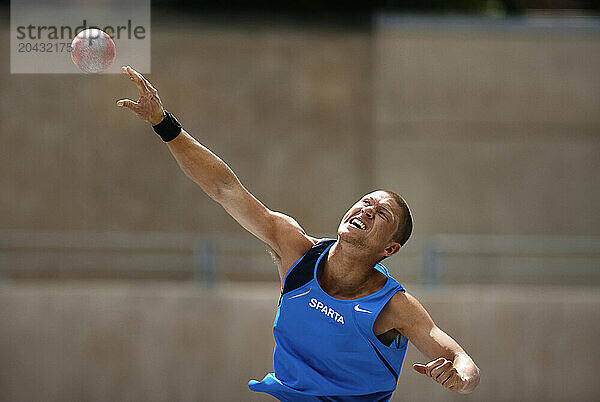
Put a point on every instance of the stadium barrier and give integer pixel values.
(209, 257)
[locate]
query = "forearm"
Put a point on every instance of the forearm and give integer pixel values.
(451, 366)
(467, 369)
(201, 165)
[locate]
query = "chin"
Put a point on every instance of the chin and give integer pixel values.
(351, 238)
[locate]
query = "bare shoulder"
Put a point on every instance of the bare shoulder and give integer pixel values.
(404, 311)
(402, 301)
(293, 242)
(292, 237)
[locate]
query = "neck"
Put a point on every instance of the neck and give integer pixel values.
(349, 271)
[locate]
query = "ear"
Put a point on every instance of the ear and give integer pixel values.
(391, 249)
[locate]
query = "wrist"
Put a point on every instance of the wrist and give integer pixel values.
(168, 128)
(156, 119)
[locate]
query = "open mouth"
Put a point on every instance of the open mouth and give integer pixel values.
(358, 224)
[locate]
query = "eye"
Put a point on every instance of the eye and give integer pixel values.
(383, 215)
(367, 202)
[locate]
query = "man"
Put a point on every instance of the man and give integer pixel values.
(343, 322)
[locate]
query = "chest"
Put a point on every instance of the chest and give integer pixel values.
(312, 319)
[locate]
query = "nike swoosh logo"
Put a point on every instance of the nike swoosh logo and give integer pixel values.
(361, 310)
(301, 294)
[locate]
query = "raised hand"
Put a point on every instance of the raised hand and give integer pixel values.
(148, 107)
(443, 372)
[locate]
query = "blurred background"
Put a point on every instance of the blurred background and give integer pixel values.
(121, 281)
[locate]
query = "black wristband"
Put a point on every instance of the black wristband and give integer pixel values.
(168, 128)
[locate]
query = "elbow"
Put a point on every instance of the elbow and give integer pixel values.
(222, 191)
(215, 191)
(217, 186)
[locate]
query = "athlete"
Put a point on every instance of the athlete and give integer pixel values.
(343, 323)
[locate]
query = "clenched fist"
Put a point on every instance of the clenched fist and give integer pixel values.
(443, 372)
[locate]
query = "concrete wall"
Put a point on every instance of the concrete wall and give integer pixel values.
(490, 130)
(483, 130)
(103, 342)
(285, 108)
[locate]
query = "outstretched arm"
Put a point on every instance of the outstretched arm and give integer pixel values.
(451, 366)
(280, 232)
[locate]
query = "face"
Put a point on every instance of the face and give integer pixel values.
(371, 223)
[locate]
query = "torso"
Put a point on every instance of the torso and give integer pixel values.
(383, 328)
(330, 325)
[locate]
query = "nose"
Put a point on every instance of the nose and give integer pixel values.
(368, 211)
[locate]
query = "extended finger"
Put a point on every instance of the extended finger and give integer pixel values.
(148, 88)
(139, 79)
(128, 103)
(420, 368)
(147, 84)
(432, 365)
(135, 77)
(124, 70)
(128, 71)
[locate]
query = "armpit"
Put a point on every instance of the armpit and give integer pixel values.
(275, 257)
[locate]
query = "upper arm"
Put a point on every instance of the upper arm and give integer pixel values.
(280, 232)
(413, 321)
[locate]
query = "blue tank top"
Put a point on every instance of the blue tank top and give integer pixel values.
(325, 348)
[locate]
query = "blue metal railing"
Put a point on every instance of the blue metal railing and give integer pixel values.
(204, 258)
